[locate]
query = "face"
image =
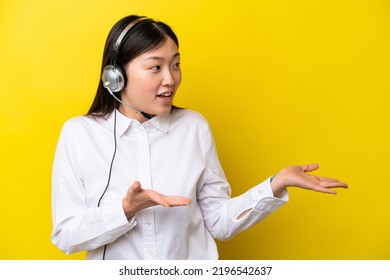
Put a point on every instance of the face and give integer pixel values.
(152, 80)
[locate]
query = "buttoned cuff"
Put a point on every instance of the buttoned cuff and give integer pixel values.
(264, 190)
(114, 217)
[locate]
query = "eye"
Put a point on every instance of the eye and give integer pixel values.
(155, 68)
(176, 65)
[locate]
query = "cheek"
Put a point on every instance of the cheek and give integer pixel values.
(141, 84)
(178, 79)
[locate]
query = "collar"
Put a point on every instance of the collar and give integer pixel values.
(123, 122)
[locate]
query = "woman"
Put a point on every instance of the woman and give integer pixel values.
(135, 152)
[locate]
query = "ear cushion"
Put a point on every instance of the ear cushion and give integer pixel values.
(113, 77)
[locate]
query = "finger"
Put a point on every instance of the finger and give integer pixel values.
(158, 199)
(326, 190)
(178, 201)
(327, 179)
(321, 188)
(336, 185)
(310, 167)
(136, 186)
(331, 183)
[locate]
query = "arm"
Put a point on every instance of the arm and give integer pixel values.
(76, 225)
(226, 216)
(79, 226)
(223, 215)
(295, 176)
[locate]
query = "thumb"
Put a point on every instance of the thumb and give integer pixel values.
(136, 186)
(310, 167)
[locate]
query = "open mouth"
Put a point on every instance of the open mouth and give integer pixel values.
(165, 94)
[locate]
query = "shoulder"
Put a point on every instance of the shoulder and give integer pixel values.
(79, 126)
(188, 116)
(84, 122)
(190, 123)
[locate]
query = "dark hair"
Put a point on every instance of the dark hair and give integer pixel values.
(142, 37)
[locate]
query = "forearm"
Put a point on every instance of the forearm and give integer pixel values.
(237, 214)
(90, 229)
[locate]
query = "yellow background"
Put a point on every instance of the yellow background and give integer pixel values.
(281, 83)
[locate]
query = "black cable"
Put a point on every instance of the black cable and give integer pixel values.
(109, 173)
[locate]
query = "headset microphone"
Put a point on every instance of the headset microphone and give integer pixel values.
(107, 86)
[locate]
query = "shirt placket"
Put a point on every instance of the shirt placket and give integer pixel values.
(147, 215)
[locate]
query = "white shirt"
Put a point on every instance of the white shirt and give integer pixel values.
(173, 155)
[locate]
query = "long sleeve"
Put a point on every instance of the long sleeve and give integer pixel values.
(77, 227)
(172, 154)
(220, 211)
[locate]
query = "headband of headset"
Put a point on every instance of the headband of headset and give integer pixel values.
(117, 44)
(114, 77)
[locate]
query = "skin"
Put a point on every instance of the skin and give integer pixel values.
(156, 73)
(296, 176)
(150, 76)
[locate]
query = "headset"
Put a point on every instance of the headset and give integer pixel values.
(114, 77)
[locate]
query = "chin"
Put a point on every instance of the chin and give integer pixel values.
(165, 111)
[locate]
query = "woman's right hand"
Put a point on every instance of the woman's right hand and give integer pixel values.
(138, 198)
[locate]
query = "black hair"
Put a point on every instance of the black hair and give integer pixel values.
(142, 37)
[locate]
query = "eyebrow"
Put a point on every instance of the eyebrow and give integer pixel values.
(161, 58)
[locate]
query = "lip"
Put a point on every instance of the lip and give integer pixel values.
(166, 99)
(169, 93)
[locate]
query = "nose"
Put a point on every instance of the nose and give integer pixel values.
(168, 79)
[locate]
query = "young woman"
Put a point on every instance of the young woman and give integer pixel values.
(138, 178)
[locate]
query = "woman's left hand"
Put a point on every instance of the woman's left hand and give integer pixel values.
(296, 176)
